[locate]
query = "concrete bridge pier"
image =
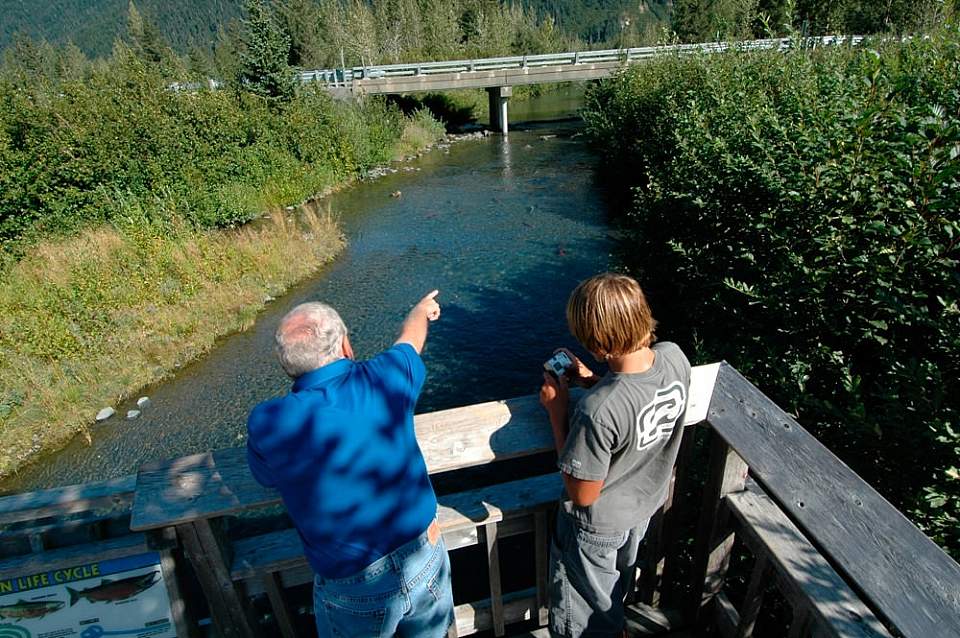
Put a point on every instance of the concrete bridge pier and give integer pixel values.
(499, 95)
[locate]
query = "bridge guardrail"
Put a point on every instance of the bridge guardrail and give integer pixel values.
(345, 77)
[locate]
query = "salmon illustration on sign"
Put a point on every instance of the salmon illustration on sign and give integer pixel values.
(111, 591)
(27, 609)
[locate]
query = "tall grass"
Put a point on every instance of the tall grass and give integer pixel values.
(86, 321)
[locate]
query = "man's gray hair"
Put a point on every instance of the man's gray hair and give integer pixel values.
(309, 336)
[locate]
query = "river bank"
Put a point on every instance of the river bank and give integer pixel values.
(88, 321)
(504, 227)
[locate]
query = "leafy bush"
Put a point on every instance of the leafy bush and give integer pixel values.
(797, 215)
(67, 150)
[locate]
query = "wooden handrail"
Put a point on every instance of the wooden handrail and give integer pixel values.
(900, 573)
(817, 503)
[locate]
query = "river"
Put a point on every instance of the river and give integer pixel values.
(503, 227)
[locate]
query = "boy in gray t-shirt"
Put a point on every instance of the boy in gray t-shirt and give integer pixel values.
(616, 452)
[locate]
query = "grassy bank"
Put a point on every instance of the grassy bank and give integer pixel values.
(88, 320)
(131, 230)
(797, 215)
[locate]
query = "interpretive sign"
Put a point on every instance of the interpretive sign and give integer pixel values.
(116, 597)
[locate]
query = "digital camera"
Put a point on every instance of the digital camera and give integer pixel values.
(558, 364)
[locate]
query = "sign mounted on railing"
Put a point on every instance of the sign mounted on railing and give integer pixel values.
(117, 597)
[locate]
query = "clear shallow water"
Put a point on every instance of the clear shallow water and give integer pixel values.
(503, 227)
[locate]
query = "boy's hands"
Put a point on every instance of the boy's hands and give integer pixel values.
(554, 394)
(579, 374)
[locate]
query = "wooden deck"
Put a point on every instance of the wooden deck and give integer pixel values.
(845, 561)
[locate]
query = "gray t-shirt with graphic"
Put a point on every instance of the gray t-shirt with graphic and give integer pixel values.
(626, 431)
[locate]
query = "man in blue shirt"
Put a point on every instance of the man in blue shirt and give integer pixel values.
(341, 449)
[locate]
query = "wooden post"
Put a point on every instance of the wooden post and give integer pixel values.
(273, 587)
(714, 541)
(673, 516)
(754, 597)
(178, 609)
(201, 548)
(541, 542)
(496, 591)
(652, 561)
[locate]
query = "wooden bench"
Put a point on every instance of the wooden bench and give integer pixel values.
(270, 562)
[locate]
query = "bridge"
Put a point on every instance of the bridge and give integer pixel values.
(500, 75)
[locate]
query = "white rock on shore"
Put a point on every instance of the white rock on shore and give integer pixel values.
(143, 402)
(105, 414)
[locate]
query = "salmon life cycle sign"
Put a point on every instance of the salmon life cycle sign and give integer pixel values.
(117, 597)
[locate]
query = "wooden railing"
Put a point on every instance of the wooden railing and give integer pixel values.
(749, 480)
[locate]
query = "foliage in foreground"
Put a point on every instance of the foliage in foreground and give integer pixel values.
(797, 216)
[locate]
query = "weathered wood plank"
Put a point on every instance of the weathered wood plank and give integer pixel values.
(509, 502)
(673, 517)
(753, 599)
(219, 483)
(726, 616)
(222, 608)
(476, 616)
(805, 577)
(71, 499)
(271, 584)
(644, 620)
(647, 590)
(178, 609)
(217, 556)
(75, 554)
(493, 570)
(900, 572)
(541, 549)
(728, 473)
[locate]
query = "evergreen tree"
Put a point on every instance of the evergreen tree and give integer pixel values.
(708, 20)
(72, 64)
(441, 30)
(302, 21)
(264, 69)
(146, 40)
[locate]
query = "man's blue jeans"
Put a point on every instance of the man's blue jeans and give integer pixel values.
(405, 593)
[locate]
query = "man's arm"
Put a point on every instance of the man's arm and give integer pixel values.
(258, 466)
(415, 326)
(555, 396)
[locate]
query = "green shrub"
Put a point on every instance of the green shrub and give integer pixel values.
(797, 215)
(223, 157)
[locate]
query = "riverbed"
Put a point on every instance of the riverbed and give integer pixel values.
(504, 227)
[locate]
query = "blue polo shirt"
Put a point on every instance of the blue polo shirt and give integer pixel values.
(341, 449)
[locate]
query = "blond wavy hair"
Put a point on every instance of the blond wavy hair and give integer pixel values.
(609, 315)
